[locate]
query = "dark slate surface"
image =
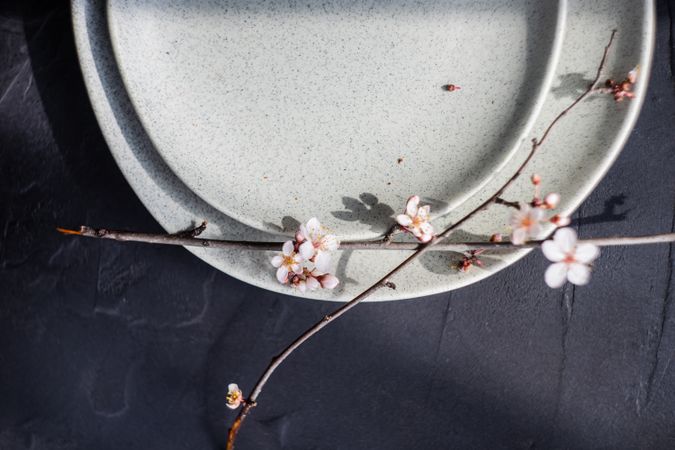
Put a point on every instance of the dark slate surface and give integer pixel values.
(110, 346)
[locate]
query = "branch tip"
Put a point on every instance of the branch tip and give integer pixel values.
(68, 231)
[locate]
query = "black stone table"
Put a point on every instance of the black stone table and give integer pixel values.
(130, 346)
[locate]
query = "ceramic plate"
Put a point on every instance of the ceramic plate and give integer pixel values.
(273, 109)
(576, 156)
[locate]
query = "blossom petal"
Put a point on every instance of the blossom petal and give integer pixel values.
(314, 227)
(288, 248)
(519, 236)
(404, 220)
(566, 238)
(277, 260)
(535, 230)
(537, 214)
(579, 274)
(302, 286)
(329, 281)
(586, 253)
(556, 275)
(423, 212)
(415, 231)
(330, 242)
(322, 262)
(425, 237)
(296, 268)
(313, 284)
(426, 228)
(411, 206)
(282, 274)
(517, 217)
(307, 249)
(552, 251)
(304, 232)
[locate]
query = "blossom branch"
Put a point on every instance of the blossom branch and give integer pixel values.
(182, 239)
(422, 249)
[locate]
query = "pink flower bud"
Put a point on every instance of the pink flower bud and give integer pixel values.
(299, 238)
(552, 200)
(328, 281)
(536, 179)
(497, 237)
(560, 221)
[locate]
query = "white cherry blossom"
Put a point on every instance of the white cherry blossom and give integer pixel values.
(416, 220)
(315, 240)
(234, 396)
(288, 262)
(571, 260)
(526, 223)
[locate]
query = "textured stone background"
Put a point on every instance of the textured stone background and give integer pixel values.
(110, 346)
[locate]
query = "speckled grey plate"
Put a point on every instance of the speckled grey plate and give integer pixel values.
(273, 109)
(576, 156)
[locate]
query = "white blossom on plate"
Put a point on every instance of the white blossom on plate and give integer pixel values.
(316, 244)
(416, 220)
(288, 262)
(526, 223)
(315, 240)
(304, 262)
(571, 260)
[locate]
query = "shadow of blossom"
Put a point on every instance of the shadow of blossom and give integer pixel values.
(571, 85)
(288, 225)
(367, 210)
(437, 206)
(341, 270)
(608, 214)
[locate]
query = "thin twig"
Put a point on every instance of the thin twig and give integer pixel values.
(243, 413)
(501, 201)
(389, 235)
(380, 244)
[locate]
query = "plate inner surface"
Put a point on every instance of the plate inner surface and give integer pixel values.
(276, 111)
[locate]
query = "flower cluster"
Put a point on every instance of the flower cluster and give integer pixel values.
(304, 263)
(470, 258)
(415, 220)
(621, 90)
(526, 222)
(572, 261)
